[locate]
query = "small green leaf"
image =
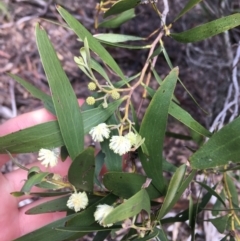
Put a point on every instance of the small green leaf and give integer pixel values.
(126, 184)
(220, 223)
(64, 99)
(190, 4)
(222, 147)
(153, 130)
(118, 20)
(94, 45)
(129, 208)
(116, 38)
(173, 188)
(208, 30)
(121, 6)
(81, 171)
(33, 180)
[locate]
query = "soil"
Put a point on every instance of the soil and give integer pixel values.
(205, 67)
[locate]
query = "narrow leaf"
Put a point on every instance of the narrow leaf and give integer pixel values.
(153, 130)
(190, 4)
(222, 147)
(184, 117)
(94, 45)
(118, 20)
(126, 46)
(173, 188)
(64, 99)
(117, 38)
(97, 67)
(212, 191)
(92, 228)
(35, 92)
(121, 6)
(208, 30)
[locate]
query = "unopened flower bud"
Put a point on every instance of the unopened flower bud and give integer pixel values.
(90, 100)
(92, 86)
(105, 105)
(115, 95)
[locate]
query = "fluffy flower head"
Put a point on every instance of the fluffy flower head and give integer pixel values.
(48, 157)
(99, 132)
(77, 201)
(102, 211)
(120, 144)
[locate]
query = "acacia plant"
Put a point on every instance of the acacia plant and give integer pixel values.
(128, 199)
